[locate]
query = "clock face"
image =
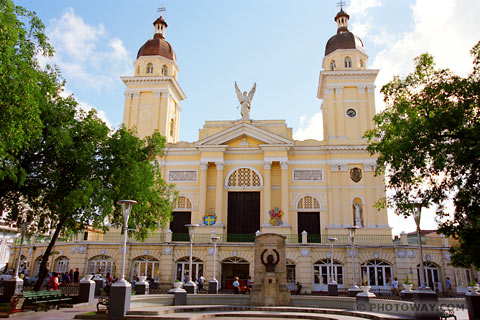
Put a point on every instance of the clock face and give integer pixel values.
(351, 113)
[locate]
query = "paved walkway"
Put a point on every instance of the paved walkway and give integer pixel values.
(54, 314)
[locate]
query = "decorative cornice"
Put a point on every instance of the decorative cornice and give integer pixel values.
(136, 80)
(203, 166)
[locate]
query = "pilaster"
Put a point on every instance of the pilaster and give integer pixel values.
(267, 190)
(284, 190)
(202, 201)
(219, 193)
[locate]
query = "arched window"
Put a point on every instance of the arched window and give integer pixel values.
(61, 264)
(182, 203)
(332, 65)
(101, 265)
(182, 268)
(308, 202)
(361, 63)
(164, 70)
(377, 274)
(322, 274)
(348, 62)
(138, 70)
(432, 276)
(145, 266)
(149, 68)
(244, 177)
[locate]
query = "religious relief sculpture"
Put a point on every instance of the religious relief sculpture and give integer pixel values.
(245, 100)
(276, 217)
(270, 263)
(358, 216)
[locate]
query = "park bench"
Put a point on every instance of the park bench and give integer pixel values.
(103, 301)
(46, 298)
(446, 313)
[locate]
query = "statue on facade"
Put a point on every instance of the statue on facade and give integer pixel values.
(245, 100)
(358, 217)
(270, 263)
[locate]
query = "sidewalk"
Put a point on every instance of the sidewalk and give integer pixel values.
(54, 314)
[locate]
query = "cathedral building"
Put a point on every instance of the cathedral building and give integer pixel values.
(246, 177)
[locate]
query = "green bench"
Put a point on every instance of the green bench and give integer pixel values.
(46, 298)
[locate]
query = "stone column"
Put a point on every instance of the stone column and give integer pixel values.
(202, 202)
(219, 193)
(284, 192)
(363, 112)
(340, 111)
(267, 190)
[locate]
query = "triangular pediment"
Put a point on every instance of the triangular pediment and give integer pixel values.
(242, 130)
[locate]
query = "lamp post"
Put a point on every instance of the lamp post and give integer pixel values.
(332, 285)
(417, 216)
(23, 228)
(121, 290)
(213, 284)
(354, 289)
(190, 286)
(14, 285)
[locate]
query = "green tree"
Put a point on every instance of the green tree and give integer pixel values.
(59, 165)
(427, 145)
(24, 86)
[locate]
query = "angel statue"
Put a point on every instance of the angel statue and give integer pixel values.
(245, 100)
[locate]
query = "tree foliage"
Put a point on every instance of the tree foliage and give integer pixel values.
(62, 167)
(427, 145)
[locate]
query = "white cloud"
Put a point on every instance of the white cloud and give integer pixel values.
(313, 129)
(85, 53)
(444, 28)
(87, 107)
(362, 21)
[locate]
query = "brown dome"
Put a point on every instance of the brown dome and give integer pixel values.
(157, 47)
(344, 40)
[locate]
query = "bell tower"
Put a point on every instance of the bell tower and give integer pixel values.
(346, 87)
(153, 94)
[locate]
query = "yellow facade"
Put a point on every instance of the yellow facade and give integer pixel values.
(323, 186)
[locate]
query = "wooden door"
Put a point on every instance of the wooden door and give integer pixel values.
(243, 215)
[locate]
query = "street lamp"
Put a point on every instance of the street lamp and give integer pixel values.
(126, 208)
(354, 289)
(332, 286)
(23, 228)
(417, 215)
(190, 286)
(213, 285)
(121, 290)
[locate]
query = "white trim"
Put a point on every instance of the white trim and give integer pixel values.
(301, 196)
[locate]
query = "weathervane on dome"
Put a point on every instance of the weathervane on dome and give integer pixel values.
(341, 4)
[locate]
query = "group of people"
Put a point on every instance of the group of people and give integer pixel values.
(61, 279)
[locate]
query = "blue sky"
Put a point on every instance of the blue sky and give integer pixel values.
(277, 44)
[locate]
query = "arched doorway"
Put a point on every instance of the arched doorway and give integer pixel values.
(377, 274)
(182, 266)
(432, 276)
(145, 266)
(321, 274)
(231, 268)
